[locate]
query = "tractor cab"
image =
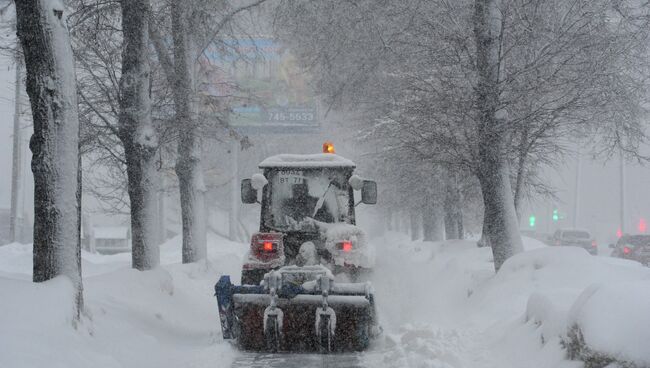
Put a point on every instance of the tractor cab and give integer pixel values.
(305, 199)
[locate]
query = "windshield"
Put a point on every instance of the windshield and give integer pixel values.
(299, 195)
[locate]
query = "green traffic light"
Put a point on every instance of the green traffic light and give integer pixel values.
(556, 216)
(531, 221)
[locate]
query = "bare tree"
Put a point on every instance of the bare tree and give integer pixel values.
(188, 162)
(99, 43)
(193, 30)
(493, 168)
(51, 87)
(137, 133)
(493, 89)
(98, 40)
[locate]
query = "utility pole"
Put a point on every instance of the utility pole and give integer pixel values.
(576, 191)
(622, 191)
(16, 159)
(548, 221)
(234, 198)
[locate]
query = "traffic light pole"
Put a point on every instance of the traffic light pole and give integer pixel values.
(576, 192)
(234, 195)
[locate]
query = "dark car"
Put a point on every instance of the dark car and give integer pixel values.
(576, 238)
(634, 247)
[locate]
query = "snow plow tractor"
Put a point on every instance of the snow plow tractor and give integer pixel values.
(304, 282)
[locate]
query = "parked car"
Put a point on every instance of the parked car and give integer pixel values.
(576, 238)
(112, 239)
(634, 247)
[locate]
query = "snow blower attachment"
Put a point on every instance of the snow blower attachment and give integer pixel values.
(308, 238)
(297, 309)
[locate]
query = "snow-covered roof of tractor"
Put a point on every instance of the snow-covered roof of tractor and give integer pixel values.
(306, 161)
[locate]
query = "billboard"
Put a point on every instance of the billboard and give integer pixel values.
(262, 86)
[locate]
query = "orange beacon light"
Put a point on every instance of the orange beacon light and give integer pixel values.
(328, 147)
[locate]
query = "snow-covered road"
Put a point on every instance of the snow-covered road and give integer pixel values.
(413, 348)
(252, 360)
(440, 305)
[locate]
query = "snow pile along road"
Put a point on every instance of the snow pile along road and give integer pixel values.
(441, 305)
(166, 317)
(611, 323)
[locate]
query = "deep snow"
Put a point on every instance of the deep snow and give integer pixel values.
(161, 318)
(440, 304)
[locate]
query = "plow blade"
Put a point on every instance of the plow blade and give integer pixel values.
(315, 316)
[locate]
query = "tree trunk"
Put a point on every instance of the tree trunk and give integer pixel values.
(188, 164)
(79, 298)
(433, 221)
(519, 181)
(484, 241)
(451, 224)
(459, 224)
(500, 222)
(414, 221)
(388, 218)
(162, 212)
(458, 196)
(137, 133)
(521, 172)
(452, 207)
(52, 91)
(16, 162)
(493, 170)
(404, 222)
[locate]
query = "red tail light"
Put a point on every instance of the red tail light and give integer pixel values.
(594, 244)
(345, 246)
(266, 246)
(626, 250)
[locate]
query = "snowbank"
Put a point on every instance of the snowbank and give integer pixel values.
(166, 317)
(36, 322)
(440, 304)
(16, 259)
(612, 323)
(531, 243)
(520, 317)
(553, 284)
